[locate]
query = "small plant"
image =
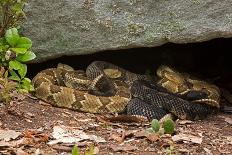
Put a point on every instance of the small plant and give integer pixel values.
(75, 150)
(6, 86)
(14, 52)
(88, 151)
(167, 127)
(170, 150)
(155, 125)
(11, 14)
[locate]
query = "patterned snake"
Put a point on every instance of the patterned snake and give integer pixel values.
(107, 88)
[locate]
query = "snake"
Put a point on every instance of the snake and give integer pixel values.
(107, 88)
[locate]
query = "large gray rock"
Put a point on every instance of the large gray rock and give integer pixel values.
(75, 27)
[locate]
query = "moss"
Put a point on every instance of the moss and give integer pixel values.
(170, 26)
(228, 19)
(196, 2)
(135, 28)
(88, 4)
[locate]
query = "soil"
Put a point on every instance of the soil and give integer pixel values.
(35, 120)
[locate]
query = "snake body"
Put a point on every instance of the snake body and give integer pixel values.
(107, 88)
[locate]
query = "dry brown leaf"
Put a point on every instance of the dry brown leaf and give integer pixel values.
(21, 152)
(188, 138)
(228, 120)
(96, 150)
(63, 134)
(125, 147)
(8, 135)
(207, 151)
(182, 122)
(153, 137)
(117, 137)
(33, 136)
(141, 134)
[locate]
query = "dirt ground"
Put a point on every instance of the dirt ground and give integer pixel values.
(27, 126)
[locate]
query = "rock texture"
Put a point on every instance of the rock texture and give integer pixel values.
(75, 27)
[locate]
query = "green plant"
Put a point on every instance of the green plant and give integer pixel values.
(14, 53)
(6, 86)
(167, 127)
(75, 150)
(170, 150)
(11, 14)
(88, 151)
(155, 125)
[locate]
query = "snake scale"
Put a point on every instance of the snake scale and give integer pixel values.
(107, 88)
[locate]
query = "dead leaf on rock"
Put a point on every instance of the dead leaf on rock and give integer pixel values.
(63, 134)
(126, 147)
(8, 135)
(188, 138)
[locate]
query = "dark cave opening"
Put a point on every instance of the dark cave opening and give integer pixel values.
(207, 60)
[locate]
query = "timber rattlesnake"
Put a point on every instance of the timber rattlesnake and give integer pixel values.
(106, 88)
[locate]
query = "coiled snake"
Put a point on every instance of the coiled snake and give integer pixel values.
(107, 88)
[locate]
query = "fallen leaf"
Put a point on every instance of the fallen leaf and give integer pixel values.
(126, 147)
(207, 151)
(11, 143)
(8, 135)
(153, 137)
(21, 152)
(37, 152)
(63, 134)
(84, 120)
(141, 134)
(229, 139)
(34, 136)
(96, 150)
(117, 137)
(182, 122)
(228, 120)
(188, 138)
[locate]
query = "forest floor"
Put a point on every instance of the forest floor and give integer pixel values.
(30, 126)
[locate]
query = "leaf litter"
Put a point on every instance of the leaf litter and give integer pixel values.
(55, 131)
(64, 134)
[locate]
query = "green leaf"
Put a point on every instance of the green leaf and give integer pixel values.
(14, 76)
(14, 64)
(155, 125)
(26, 84)
(23, 71)
(19, 50)
(169, 126)
(2, 41)
(12, 36)
(3, 44)
(21, 68)
(17, 7)
(75, 150)
(26, 57)
(24, 42)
